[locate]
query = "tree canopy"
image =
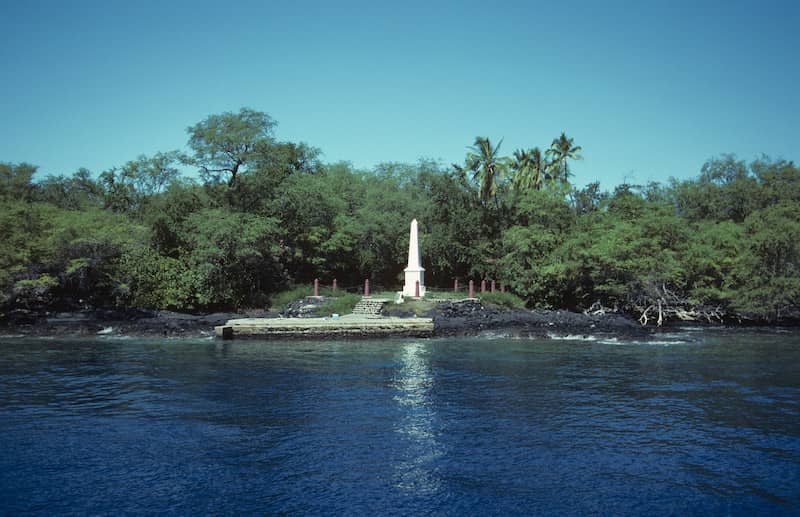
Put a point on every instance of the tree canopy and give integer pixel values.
(256, 215)
(227, 143)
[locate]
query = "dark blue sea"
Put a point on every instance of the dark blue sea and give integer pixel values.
(696, 422)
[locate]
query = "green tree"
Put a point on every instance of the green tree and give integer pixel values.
(452, 225)
(540, 222)
(235, 258)
(487, 167)
(226, 144)
(709, 260)
(588, 199)
(529, 169)
(768, 270)
(273, 163)
(131, 187)
(776, 181)
(316, 211)
(16, 181)
(167, 213)
(78, 192)
(159, 282)
(152, 175)
(120, 195)
(724, 191)
(561, 150)
(86, 249)
(23, 248)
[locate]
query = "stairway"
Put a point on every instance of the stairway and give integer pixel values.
(370, 306)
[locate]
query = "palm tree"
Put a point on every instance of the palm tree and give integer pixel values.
(486, 166)
(520, 164)
(561, 150)
(529, 169)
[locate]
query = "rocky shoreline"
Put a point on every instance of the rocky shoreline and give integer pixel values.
(466, 318)
(471, 318)
(115, 322)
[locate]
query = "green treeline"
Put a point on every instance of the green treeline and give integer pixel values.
(261, 214)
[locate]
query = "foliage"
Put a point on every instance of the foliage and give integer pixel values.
(561, 150)
(140, 234)
(529, 170)
(282, 299)
(158, 281)
(233, 256)
(81, 191)
(502, 300)
(35, 292)
(486, 165)
(768, 271)
(227, 143)
(129, 188)
(15, 181)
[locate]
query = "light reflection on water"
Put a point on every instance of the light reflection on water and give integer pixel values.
(414, 381)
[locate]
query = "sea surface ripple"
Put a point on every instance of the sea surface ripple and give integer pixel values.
(698, 422)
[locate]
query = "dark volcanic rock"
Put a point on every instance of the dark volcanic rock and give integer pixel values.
(304, 308)
(469, 317)
(127, 322)
(460, 309)
(464, 318)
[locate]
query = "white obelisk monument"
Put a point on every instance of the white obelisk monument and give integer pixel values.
(414, 272)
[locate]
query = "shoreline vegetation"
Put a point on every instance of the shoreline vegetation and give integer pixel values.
(240, 217)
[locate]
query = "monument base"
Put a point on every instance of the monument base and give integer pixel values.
(414, 275)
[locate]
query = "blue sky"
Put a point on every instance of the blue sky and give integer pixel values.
(649, 89)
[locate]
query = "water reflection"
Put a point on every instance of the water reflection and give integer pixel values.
(418, 426)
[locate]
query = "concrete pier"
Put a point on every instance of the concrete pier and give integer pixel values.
(350, 325)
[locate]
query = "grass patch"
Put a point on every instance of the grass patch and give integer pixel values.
(418, 307)
(342, 304)
(411, 307)
(280, 300)
(388, 295)
(502, 300)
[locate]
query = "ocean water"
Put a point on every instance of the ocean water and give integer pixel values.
(696, 422)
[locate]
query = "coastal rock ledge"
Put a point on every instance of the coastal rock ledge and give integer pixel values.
(470, 318)
(461, 318)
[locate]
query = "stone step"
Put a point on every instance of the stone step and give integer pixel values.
(369, 306)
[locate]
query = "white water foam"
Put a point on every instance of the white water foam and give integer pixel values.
(653, 342)
(573, 337)
(490, 334)
(616, 341)
(110, 337)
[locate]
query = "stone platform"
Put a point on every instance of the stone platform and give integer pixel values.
(350, 325)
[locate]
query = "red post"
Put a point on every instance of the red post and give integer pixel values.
(492, 285)
(471, 289)
(502, 288)
(416, 289)
(334, 284)
(455, 285)
(483, 286)
(316, 287)
(366, 287)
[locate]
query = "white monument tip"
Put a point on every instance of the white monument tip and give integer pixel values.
(414, 273)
